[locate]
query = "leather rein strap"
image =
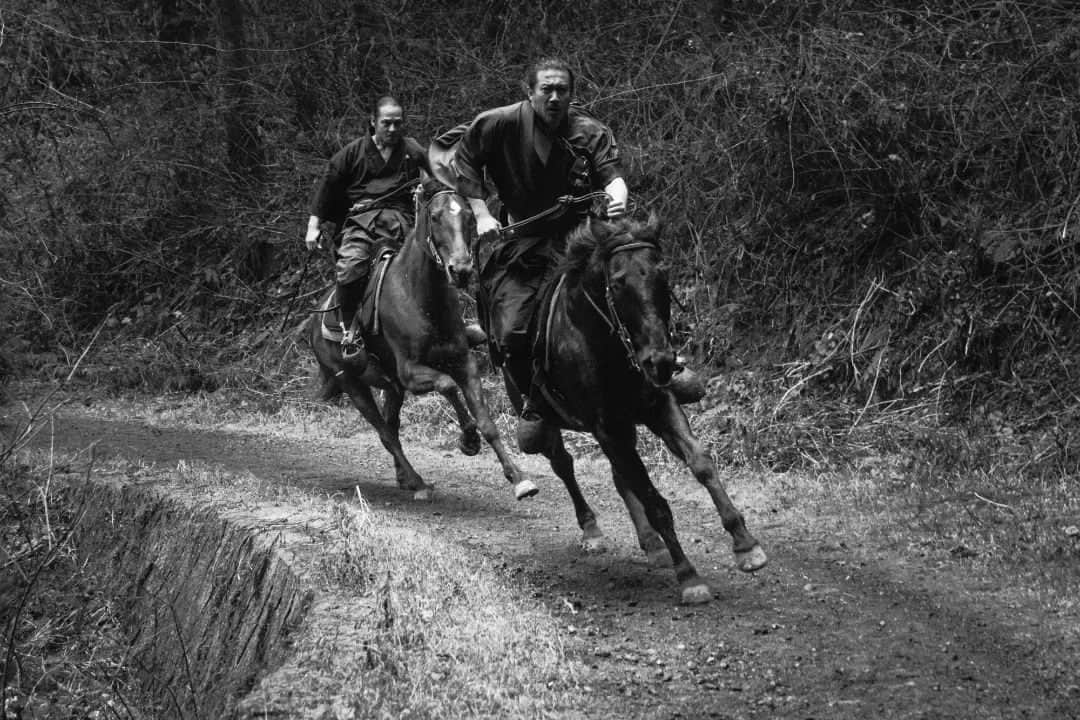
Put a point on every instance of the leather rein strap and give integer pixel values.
(562, 203)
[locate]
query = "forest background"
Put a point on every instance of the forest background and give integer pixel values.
(871, 208)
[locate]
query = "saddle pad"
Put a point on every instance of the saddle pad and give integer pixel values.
(330, 326)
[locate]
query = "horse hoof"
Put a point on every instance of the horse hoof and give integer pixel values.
(469, 443)
(525, 489)
(423, 494)
(751, 560)
(594, 545)
(696, 594)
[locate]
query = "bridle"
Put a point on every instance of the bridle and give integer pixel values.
(611, 318)
(423, 224)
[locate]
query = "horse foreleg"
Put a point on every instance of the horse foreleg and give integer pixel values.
(648, 539)
(362, 400)
(618, 443)
(391, 412)
(670, 424)
(592, 538)
(474, 396)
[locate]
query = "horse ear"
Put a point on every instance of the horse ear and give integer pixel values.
(653, 226)
(601, 231)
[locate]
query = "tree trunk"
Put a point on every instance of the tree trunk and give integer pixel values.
(245, 149)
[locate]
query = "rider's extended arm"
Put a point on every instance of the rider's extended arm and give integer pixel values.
(618, 194)
(485, 221)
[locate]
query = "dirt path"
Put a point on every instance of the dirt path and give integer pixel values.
(825, 631)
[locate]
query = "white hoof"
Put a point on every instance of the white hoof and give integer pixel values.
(696, 594)
(524, 489)
(594, 545)
(751, 560)
(423, 494)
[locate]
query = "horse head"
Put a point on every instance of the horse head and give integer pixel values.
(450, 225)
(626, 264)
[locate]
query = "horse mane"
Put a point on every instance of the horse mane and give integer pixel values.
(588, 244)
(433, 186)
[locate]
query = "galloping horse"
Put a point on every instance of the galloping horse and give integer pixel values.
(416, 340)
(604, 356)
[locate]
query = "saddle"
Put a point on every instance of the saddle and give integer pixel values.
(540, 332)
(369, 306)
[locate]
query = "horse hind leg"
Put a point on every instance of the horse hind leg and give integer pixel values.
(562, 463)
(479, 417)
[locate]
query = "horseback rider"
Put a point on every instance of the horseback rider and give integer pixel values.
(534, 152)
(366, 191)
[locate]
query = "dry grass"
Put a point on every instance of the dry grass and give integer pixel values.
(432, 630)
(406, 625)
(442, 634)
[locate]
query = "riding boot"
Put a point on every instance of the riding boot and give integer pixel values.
(531, 432)
(475, 335)
(687, 385)
(350, 295)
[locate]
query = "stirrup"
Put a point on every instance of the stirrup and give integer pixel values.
(352, 346)
(531, 433)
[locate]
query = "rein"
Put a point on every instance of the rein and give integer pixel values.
(364, 205)
(562, 203)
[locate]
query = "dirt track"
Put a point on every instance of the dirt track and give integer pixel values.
(827, 630)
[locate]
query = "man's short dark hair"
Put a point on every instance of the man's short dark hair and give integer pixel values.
(548, 63)
(382, 102)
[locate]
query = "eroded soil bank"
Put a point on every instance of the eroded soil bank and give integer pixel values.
(833, 628)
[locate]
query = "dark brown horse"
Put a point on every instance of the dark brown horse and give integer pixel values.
(416, 340)
(605, 358)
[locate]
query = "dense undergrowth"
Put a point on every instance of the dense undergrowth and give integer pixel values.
(871, 207)
(66, 653)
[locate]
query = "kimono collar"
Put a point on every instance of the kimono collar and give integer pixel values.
(542, 136)
(375, 156)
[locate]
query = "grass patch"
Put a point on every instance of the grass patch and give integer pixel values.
(443, 634)
(407, 624)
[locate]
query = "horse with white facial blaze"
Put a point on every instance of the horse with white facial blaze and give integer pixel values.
(415, 340)
(604, 358)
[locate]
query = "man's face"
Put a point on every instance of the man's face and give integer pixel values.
(550, 96)
(389, 125)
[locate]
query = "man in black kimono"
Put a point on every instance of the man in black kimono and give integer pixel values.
(366, 192)
(533, 152)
